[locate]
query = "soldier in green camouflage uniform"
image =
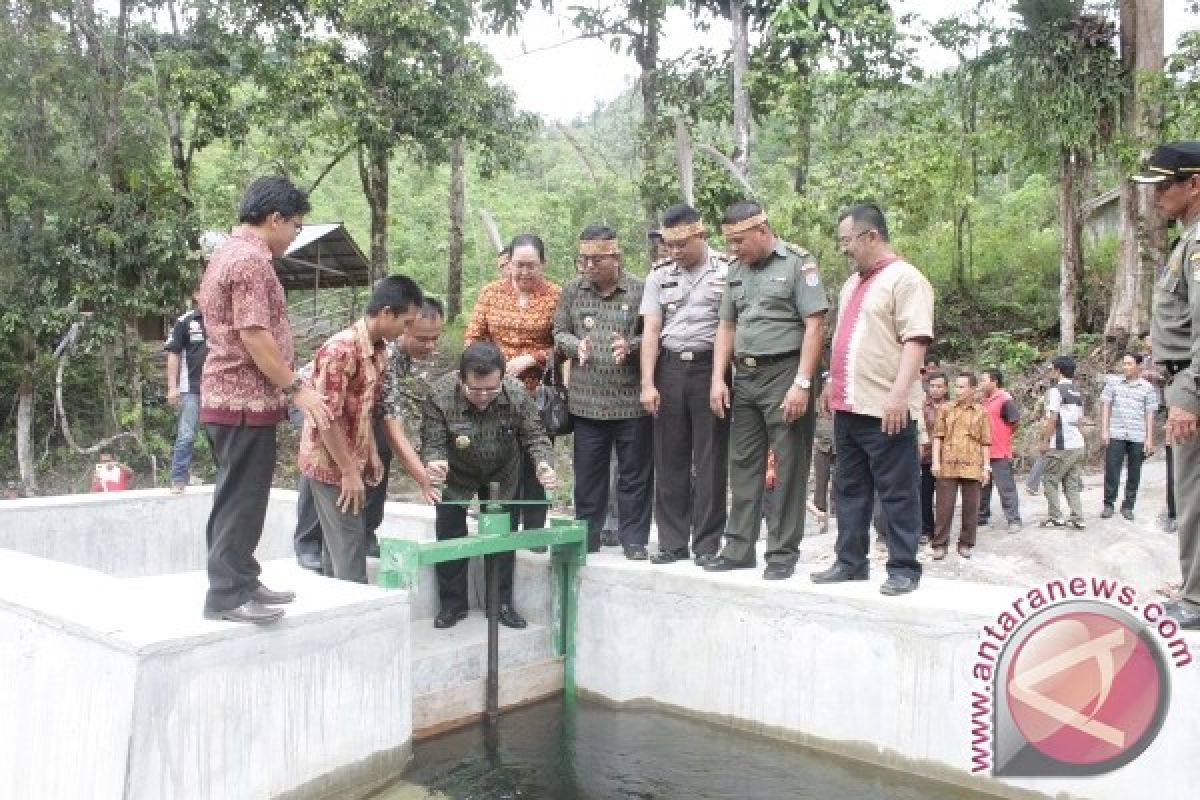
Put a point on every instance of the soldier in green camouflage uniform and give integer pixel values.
(1174, 170)
(771, 320)
(475, 424)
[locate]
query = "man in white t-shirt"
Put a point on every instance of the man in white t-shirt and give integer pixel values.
(1063, 445)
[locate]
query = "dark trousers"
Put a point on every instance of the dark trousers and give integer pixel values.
(307, 537)
(245, 458)
(344, 540)
(758, 425)
(450, 522)
(823, 461)
(1170, 483)
(1006, 486)
(691, 459)
(928, 482)
(1115, 455)
(947, 494)
(529, 488)
(870, 461)
(633, 440)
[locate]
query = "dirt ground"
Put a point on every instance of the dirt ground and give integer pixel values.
(1138, 552)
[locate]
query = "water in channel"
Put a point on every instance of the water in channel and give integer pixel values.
(592, 752)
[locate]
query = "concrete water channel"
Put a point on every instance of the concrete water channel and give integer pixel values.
(112, 685)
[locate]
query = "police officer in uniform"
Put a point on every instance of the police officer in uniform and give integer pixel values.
(771, 318)
(691, 444)
(1174, 171)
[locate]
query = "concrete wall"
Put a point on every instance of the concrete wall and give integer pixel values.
(134, 695)
(882, 679)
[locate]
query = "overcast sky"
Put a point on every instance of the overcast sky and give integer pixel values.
(567, 80)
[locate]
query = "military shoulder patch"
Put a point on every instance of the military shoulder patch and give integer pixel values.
(797, 250)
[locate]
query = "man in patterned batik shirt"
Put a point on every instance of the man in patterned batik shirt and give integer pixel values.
(597, 326)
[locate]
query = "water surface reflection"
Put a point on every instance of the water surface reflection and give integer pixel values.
(591, 752)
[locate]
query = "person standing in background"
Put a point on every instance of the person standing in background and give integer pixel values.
(186, 349)
(1003, 415)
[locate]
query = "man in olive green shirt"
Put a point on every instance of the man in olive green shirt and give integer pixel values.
(475, 424)
(1174, 170)
(771, 319)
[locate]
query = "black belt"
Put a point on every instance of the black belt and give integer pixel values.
(1173, 368)
(688, 356)
(753, 362)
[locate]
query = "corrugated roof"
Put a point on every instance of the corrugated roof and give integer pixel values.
(326, 248)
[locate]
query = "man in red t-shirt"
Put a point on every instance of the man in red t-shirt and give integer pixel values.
(246, 385)
(1004, 414)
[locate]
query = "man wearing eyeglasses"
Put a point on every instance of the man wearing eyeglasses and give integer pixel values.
(598, 327)
(1174, 171)
(885, 324)
(476, 423)
(771, 317)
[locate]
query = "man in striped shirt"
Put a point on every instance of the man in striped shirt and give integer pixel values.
(1127, 407)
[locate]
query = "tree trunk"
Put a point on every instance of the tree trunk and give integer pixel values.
(1070, 174)
(373, 174)
(802, 108)
(683, 161)
(133, 372)
(741, 95)
(25, 464)
(458, 206)
(646, 52)
(1142, 231)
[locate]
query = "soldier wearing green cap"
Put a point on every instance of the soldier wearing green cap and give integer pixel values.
(1174, 171)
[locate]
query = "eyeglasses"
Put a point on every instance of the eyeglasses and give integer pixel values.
(583, 262)
(524, 266)
(844, 242)
(482, 391)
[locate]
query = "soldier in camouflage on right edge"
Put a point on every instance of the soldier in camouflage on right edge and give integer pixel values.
(1174, 170)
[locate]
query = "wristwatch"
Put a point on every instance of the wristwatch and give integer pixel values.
(803, 382)
(293, 387)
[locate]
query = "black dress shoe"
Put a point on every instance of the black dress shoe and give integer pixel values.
(250, 611)
(779, 571)
(667, 557)
(1188, 619)
(448, 618)
(635, 552)
(898, 584)
(704, 559)
(309, 561)
(265, 596)
(609, 538)
(723, 564)
(509, 618)
(839, 573)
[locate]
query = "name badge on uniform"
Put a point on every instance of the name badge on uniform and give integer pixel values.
(589, 323)
(462, 442)
(625, 307)
(670, 285)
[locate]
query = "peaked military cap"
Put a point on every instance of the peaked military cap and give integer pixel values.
(1168, 161)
